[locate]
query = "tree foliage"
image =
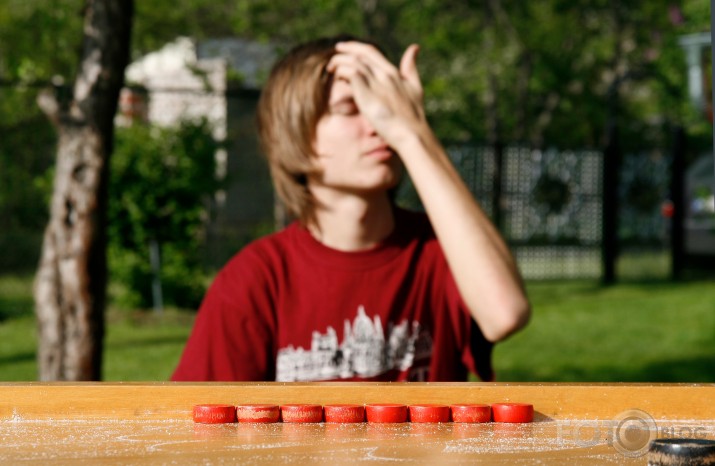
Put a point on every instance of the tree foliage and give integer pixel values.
(26, 159)
(532, 71)
(39, 39)
(538, 72)
(160, 189)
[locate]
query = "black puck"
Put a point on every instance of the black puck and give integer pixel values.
(681, 452)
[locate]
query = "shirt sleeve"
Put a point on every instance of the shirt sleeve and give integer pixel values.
(233, 335)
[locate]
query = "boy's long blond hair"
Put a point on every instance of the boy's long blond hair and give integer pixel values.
(292, 102)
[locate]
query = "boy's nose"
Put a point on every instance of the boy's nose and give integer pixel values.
(369, 128)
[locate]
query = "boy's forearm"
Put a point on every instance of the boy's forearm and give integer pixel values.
(483, 267)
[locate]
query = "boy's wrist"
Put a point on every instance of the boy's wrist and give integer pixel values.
(424, 142)
(416, 141)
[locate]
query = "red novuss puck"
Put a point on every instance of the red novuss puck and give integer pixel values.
(513, 412)
(214, 413)
(344, 413)
(386, 413)
(258, 413)
(302, 413)
(429, 413)
(472, 413)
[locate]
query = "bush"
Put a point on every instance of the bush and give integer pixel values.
(161, 183)
(27, 150)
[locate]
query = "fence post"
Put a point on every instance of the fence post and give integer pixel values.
(611, 172)
(497, 215)
(677, 174)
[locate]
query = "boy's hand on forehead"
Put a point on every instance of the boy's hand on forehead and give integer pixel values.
(390, 99)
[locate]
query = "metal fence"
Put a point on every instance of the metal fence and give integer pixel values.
(548, 204)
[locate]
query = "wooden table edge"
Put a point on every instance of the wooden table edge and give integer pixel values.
(175, 400)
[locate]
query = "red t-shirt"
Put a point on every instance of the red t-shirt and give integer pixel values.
(288, 308)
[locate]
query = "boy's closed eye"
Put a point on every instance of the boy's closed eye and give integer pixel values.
(344, 107)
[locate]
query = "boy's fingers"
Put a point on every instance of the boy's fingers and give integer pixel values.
(377, 65)
(368, 53)
(345, 60)
(350, 71)
(408, 67)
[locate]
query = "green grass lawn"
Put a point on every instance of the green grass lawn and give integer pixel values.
(580, 331)
(138, 345)
(648, 332)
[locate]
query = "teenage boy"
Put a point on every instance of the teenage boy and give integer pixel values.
(357, 288)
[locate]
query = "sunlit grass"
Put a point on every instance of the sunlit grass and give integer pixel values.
(17, 349)
(145, 345)
(581, 331)
(654, 331)
(138, 345)
(17, 329)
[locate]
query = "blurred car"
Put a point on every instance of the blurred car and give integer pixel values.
(699, 221)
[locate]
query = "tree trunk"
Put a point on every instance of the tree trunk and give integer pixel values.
(70, 285)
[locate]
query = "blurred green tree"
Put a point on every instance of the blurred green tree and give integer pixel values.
(160, 190)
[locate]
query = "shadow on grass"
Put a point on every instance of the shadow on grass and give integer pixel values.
(698, 369)
(17, 358)
(655, 284)
(11, 308)
(143, 342)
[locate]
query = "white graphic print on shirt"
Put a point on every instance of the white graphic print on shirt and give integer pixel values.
(364, 352)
